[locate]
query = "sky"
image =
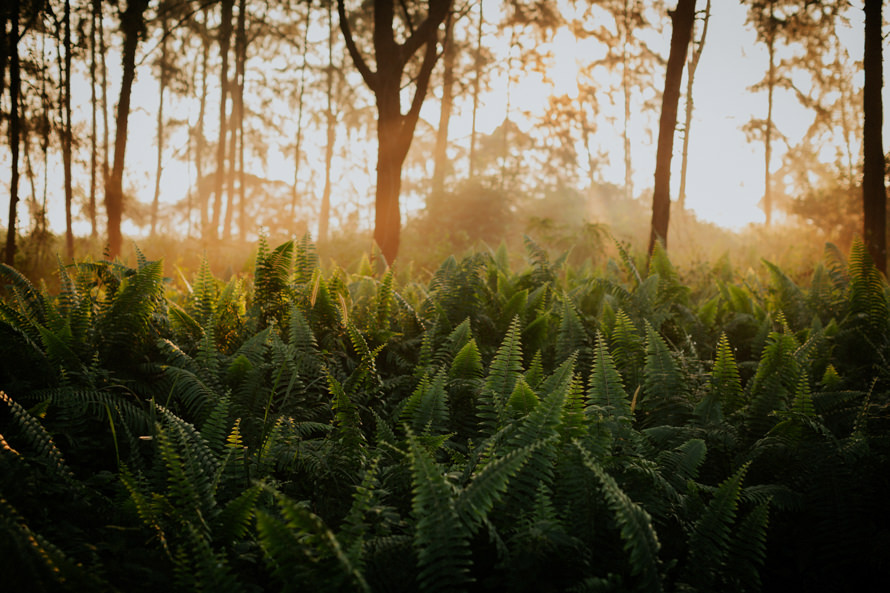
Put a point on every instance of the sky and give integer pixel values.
(725, 178)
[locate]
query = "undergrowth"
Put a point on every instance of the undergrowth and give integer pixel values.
(487, 429)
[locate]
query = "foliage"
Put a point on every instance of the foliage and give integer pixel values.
(547, 429)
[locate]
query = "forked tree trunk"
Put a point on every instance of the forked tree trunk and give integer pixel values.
(394, 129)
(874, 193)
(682, 19)
(131, 25)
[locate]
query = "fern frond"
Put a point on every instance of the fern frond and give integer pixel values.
(443, 552)
(505, 370)
(635, 525)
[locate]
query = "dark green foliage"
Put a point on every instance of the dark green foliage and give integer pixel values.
(541, 430)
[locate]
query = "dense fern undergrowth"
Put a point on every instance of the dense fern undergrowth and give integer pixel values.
(548, 429)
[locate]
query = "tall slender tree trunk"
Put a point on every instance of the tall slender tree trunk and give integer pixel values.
(4, 53)
(298, 147)
(200, 141)
(477, 76)
(625, 86)
(66, 131)
(225, 35)
(874, 193)
(682, 19)
(162, 88)
(440, 156)
(240, 70)
(103, 66)
(324, 214)
(15, 84)
(94, 124)
(690, 104)
(768, 133)
(131, 25)
(235, 126)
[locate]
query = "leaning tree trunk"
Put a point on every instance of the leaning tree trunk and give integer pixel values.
(874, 194)
(131, 25)
(15, 84)
(681, 20)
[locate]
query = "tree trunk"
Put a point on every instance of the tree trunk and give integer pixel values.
(874, 194)
(477, 76)
(225, 34)
(131, 24)
(237, 143)
(200, 141)
(682, 19)
(66, 131)
(690, 78)
(298, 155)
(94, 124)
(440, 155)
(324, 214)
(103, 51)
(159, 168)
(625, 86)
(394, 130)
(768, 133)
(15, 84)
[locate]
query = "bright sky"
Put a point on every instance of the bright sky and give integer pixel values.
(725, 179)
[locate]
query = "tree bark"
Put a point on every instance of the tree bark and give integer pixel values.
(14, 131)
(768, 133)
(690, 104)
(94, 124)
(394, 129)
(200, 141)
(131, 26)
(477, 76)
(66, 131)
(682, 19)
(159, 168)
(225, 35)
(298, 142)
(324, 214)
(874, 194)
(440, 156)
(625, 86)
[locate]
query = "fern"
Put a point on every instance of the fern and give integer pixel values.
(606, 389)
(441, 540)
(505, 370)
(635, 525)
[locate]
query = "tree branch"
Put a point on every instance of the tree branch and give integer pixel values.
(357, 59)
(439, 9)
